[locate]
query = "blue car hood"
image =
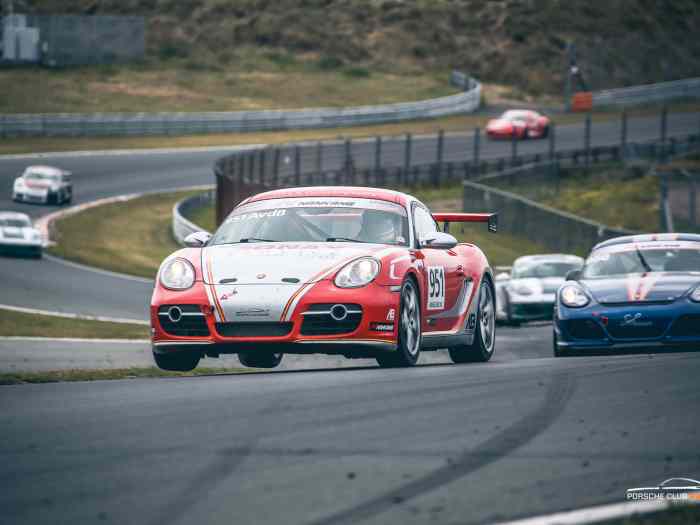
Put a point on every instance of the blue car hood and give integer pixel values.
(640, 288)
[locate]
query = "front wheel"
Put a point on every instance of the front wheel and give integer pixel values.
(409, 342)
(177, 361)
(260, 360)
(484, 343)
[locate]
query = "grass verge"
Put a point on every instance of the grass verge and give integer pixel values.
(131, 237)
(19, 324)
(16, 378)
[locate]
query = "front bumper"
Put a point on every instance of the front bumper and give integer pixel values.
(365, 340)
(20, 247)
(599, 328)
(31, 196)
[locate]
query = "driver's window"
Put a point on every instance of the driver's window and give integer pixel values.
(423, 222)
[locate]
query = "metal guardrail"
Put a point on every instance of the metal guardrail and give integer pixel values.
(181, 226)
(124, 124)
(687, 88)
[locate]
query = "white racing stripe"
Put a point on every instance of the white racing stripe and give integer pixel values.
(65, 315)
(593, 514)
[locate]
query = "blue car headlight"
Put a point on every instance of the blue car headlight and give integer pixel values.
(695, 295)
(573, 296)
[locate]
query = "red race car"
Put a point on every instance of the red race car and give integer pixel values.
(519, 123)
(359, 272)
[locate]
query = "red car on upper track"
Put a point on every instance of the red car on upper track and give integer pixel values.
(519, 123)
(359, 272)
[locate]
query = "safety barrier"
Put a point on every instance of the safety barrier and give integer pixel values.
(181, 225)
(660, 92)
(123, 124)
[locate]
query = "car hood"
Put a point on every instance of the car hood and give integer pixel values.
(280, 262)
(499, 124)
(640, 288)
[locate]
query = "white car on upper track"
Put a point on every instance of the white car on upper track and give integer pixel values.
(529, 291)
(44, 185)
(18, 236)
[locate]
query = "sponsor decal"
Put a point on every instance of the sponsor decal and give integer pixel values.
(256, 215)
(227, 295)
(674, 490)
(261, 276)
(253, 312)
(381, 327)
(391, 314)
(635, 320)
(436, 287)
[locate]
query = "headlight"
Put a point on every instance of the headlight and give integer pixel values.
(359, 272)
(573, 296)
(177, 274)
(19, 183)
(695, 295)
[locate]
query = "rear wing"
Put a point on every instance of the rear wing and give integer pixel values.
(490, 218)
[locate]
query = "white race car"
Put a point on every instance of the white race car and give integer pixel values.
(17, 235)
(528, 292)
(44, 185)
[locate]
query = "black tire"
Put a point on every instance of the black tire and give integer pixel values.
(545, 132)
(177, 361)
(410, 335)
(260, 360)
(484, 343)
(557, 351)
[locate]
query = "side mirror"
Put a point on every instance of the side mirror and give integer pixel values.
(573, 275)
(438, 240)
(197, 239)
(503, 276)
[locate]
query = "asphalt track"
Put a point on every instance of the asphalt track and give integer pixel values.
(523, 435)
(50, 285)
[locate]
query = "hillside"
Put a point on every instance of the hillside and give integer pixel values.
(514, 42)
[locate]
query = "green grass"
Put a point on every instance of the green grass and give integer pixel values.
(130, 237)
(177, 85)
(30, 325)
(16, 378)
(608, 195)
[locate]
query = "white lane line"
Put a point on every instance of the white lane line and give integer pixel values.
(594, 514)
(72, 316)
(122, 152)
(24, 339)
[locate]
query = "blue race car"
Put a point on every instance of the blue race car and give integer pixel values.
(633, 292)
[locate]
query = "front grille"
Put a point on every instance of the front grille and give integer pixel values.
(189, 323)
(584, 329)
(325, 319)
(686, 326)
(645, 328)
(253, 329)
(543, 310)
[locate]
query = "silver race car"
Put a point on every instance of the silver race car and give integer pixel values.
(44, 185)
(528, 292)
(18, 236)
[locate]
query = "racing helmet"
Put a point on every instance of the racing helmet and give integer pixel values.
(379, 227)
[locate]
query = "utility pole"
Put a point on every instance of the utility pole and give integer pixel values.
(570, 66)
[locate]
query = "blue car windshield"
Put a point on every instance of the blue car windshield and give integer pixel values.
(635, 259)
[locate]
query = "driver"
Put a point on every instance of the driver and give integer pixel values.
(379, 227)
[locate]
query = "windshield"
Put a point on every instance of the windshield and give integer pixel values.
(643, 258)
(40, 176)
(515, 115)
(14, 223)
(315, 220)
(541, 270)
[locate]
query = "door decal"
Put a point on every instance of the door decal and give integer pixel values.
(436, 288)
